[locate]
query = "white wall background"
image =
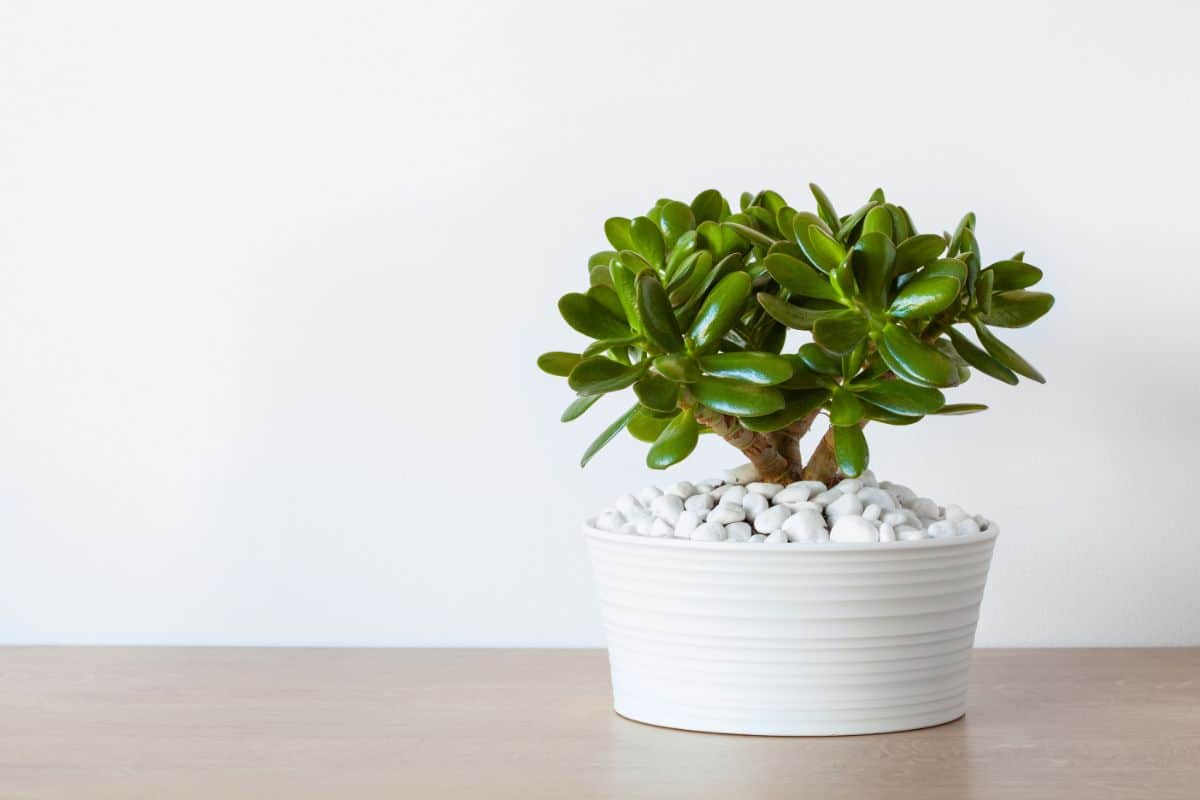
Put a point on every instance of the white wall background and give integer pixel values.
(273, 276)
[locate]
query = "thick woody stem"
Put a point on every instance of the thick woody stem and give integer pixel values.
(787, 442)
(823, 464)
(772, 467)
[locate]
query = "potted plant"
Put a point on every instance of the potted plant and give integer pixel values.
(791, 595)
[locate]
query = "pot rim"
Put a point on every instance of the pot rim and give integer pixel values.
(991, 533)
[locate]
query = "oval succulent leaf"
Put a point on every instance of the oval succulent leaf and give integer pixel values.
(825, 208)
(873, 257)
(845, 408)
(647, 241)
(657, 317)
(617, 231)
(597, 375)
(961, 408)
(797, 405)
(657, 393)
(764, 369)
(1005, 354)
(590, 318)
(645, 426)
(720, 310)
(708, 206)
(798, 277)
(979, 359)
(822, 249)
(676, 220)
(1018, 308)
(917, 251)
(579, 405)
(606, 436)
(925, 296)
(675, 443)
(904, 398)
(795, 317)
(738, 398)
(913, 360)
(750, 234)
(558, 363)
(600, 345)
(878, 220)
(607, 297)
(678, 367)
(818, 360)
(850, 450)
(625, 285)
(1013, 274)
(956, 241)
(841, 332)
(801, 223)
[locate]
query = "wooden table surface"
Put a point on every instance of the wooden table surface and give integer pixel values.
(218, 723)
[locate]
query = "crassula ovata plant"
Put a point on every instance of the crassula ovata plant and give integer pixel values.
(692, 305)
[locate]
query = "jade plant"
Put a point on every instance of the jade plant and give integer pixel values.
(692, 306)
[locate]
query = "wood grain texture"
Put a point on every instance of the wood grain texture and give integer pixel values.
(322, 723)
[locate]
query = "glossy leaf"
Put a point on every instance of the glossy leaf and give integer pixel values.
(824, 207)
(850, 450)
(961, 408)
(678, 367)
(603, 258)
(925, 296)
(579, 405)
(601, 345)
(984, 291)
(606, 436)
(1005, 354)
(818, 360)
(558, 363)
(802, 225)
(597, 375)
(675, 443)
(648, 241)
(684, 246)
(765, 369)
(721, 309)
(913, 360)
(617, 230)
(917, 251)
(599, 276)
(708, 206)
(878, 220)
(675, 220)
(646, 426)
(1013, 274)
(798, 277)
(845, 408)
(901, 230)
(657, 317)
(625, 285)
(851, 222)
(752, 235)
(590, 318)
(872, 260)
(841, 332)
(657, 393)
(1018, 308)
(822, 249)
(964, 225)
(738, 398)
(607, 297)
(797, 405)
(979, 359)
(801, 319)
(904, 398)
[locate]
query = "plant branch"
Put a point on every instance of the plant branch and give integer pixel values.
(770, 464)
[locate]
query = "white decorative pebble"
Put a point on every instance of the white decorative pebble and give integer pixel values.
(868, 478)
(644, 526)
(610, 521)
(966, 526)
(886, 533)
(849, 486)
(767, 490)
(706, 487)
(907, 533)
(851, 528)
(667, 507)
(709, 532)
(726, 513)
(661, 527)
(648, 494)
(901, 517)
(734, 493)
(755, 504)
(873, 495)
(807, 505)
(699, 502)
(805, 526)
(778, 537)
(626, 503)
(682, 489)
(814, 487)
(846, 504)
(772, 519)
(792, 494)
(688, 521)
(902, 494)
(955, 513)
(872, 513)
(738, 532)
(826, 497)
(744, 474)
(924, 507)
(758, 537)
(941, 529)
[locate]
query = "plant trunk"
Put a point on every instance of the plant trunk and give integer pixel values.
(787, 442)
(771, 465)
(823, 464)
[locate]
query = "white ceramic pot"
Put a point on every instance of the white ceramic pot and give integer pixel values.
(790, 639)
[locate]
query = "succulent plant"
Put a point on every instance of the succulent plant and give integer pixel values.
(691, 308)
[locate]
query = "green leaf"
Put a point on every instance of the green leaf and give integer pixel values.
(1018, 308)
(964, 226)
(749, 234)
(818, 360)
(904, 398)
(676, 220)
(700, 268)
(822, 249)
(654, 310)
(917, 251)
(721, 309)
(606, 436)
(558, 363)
(841, 332)
(979, 359)
(719, 239)
(845, 408)
(984, 291)
(850, 450)
(617, 230)
(599, 276)
(851, 222)
(798, 404)
(603, 258)
(802, 222)
(877, 414)
(579, 405)
(925, 296)
(625, 286)
(607, 297)
(684, 246)
(798, 277)
(645, 426)
(825, 208)
(657, 393)
(961, 408)
(801, 319)
(601, 345)
(675, 443)
(1005, 354)
(708, 206)
(678, 367)
(1013, 274)
(842, 279)
(878, 220)
(901, 229)
(590, 318)
(872, 260)
(913, 360)
(647, 241)
(597, 375)
(728, 396)
(764, 369)
(945, 267)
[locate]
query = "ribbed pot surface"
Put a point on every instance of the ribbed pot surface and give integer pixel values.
(790, 639)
